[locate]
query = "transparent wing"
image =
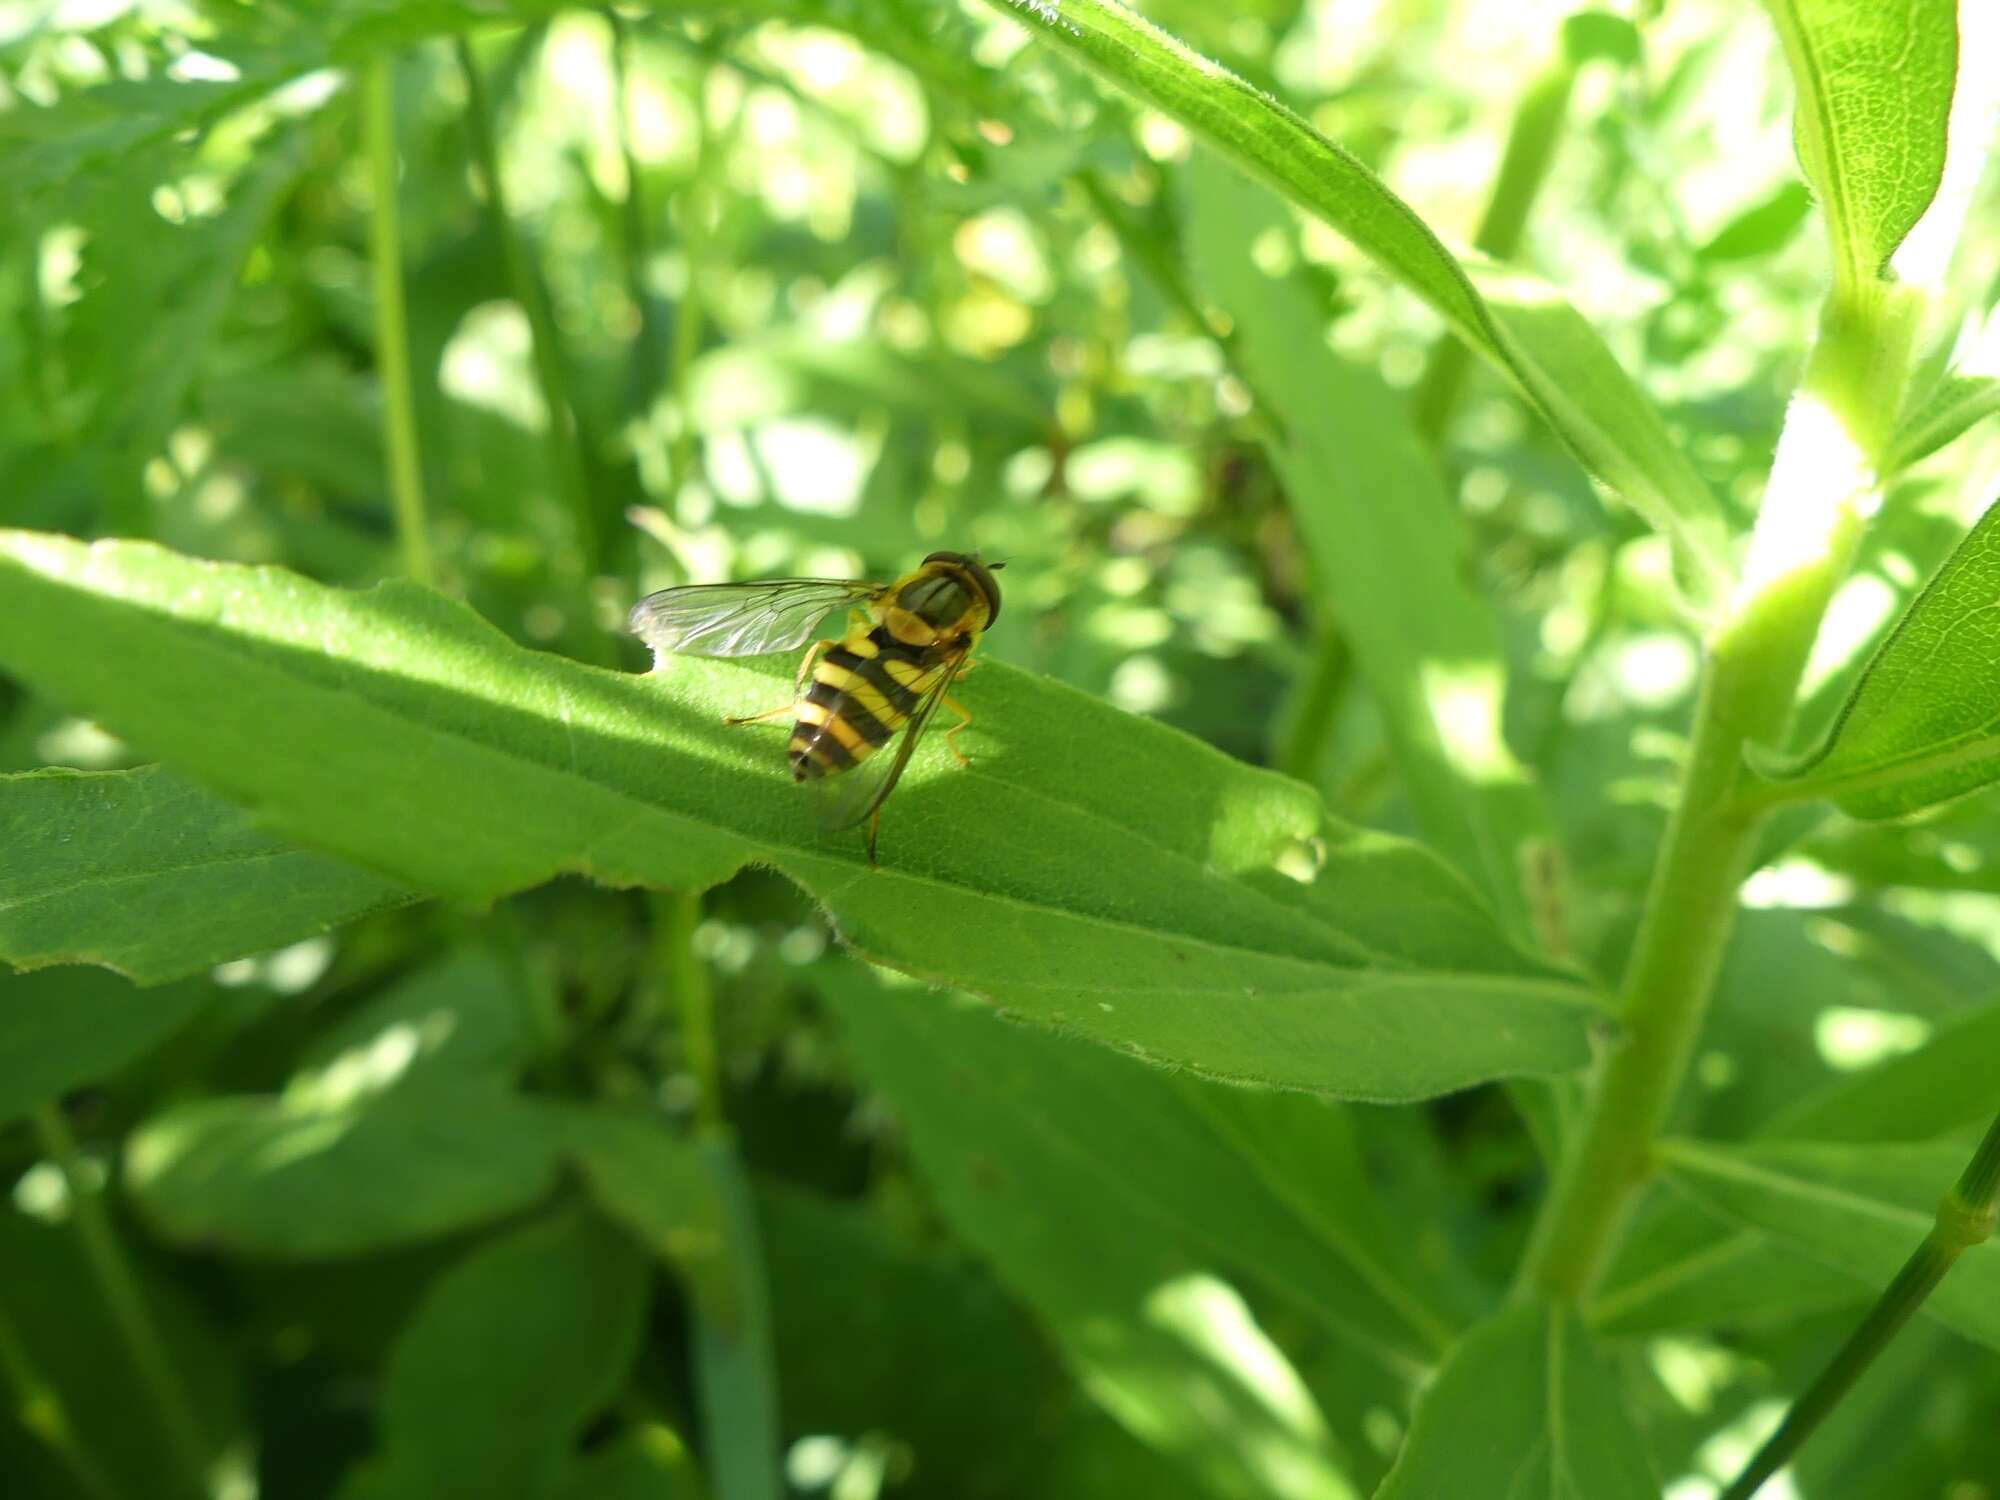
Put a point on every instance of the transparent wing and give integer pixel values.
(742, 619)
(853, 797)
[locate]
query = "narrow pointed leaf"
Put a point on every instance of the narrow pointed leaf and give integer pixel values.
(157, 878)
(1528, 1407)
(1860, 1209)
(1385, 547)
(1875, 85)
(1092, 870)
(1519, 324)
(1958, 403)
(1923, 723)
(1683, 1269)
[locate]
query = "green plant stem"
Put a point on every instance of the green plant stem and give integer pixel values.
(392, 334)
(1965, 1218)
(551, 369)
(118, 1284)
(690, 309)
(1532, 139)
(1310, 724)
(39, 1408)
(676, 914)
(1821, 488)
(642, 368)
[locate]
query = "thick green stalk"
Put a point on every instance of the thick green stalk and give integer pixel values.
(1532, 139)
(676, 914)
(118, 1284)
(551, 369)
(1821, 490)
(1965, 1218)
(392, 334)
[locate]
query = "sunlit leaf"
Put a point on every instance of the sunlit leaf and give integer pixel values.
(1760, 229)
(305, 1175)
(153, 876)
(1385, 545)
(1070, 1191)
(1922, 724)
(1520, 324)
(1525, 1406)
(1860, 1209)
(1267, 1185)
(1950, 409)
(1875, 85)
(1147, 891)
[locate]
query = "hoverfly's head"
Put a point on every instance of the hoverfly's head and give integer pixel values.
(981, 574)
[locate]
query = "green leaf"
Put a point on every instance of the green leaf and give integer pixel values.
(1951, 408)
(1269, 1185)
(509, 1353)
(1923, 723)
(1875, 84)
(152, 876)
(1684, 1268)
(62, 1030)
(305, 1175)
(1230, 927)
(1525, 1406)
(464, 1016)
(691, 1207)
(1385, 547)
(1520, 324)
(1859, 1209)
(657, 1187)
(1760, 229)
(1105, 1202)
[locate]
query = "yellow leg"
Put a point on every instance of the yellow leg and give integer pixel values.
(769, 713)
(951, 734)
(874, 827)
(805, 668)
(798, 692)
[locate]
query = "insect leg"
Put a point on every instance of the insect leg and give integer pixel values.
(951, 734)
(770, 713)
(874, 827)
(805, 668)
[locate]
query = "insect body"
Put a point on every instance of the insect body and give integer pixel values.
(907, 643)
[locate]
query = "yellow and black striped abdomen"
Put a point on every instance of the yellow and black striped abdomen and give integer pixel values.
(863, 690)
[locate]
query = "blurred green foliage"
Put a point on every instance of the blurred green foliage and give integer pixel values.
(606, 1192)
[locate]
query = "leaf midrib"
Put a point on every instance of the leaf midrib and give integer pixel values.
(237, 646)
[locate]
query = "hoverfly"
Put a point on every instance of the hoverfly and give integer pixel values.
(905, 645)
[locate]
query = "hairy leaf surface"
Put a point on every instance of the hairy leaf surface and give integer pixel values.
(156, 877)
(1875, 84)
(1089, 870)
